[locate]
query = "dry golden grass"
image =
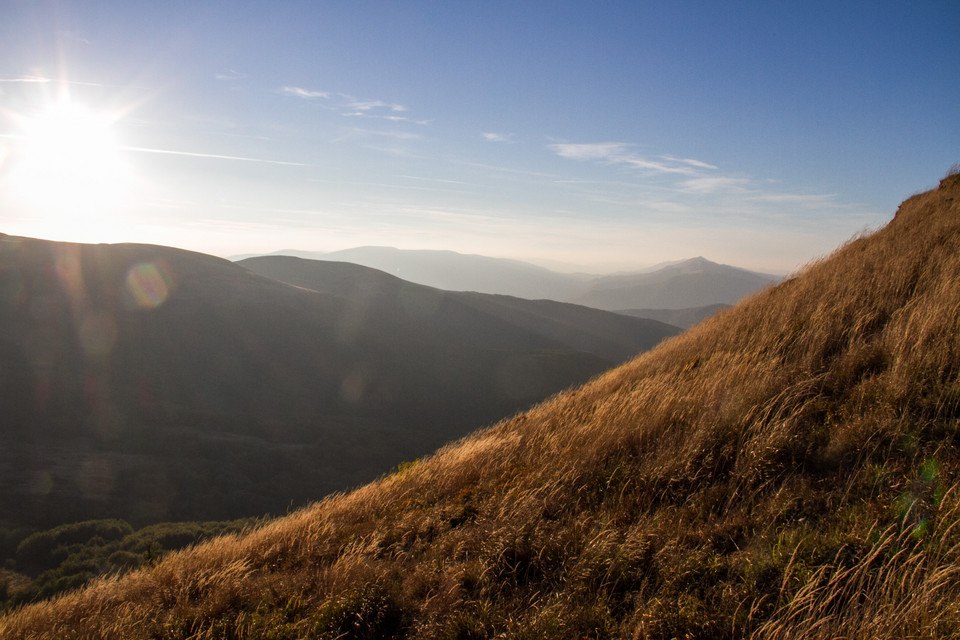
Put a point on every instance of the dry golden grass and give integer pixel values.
(785, 469)
(903, 588)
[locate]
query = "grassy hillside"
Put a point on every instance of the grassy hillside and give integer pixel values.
(786, 469)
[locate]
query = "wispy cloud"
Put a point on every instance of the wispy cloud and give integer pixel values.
(693, 192)
(690, 161)
(396, 135)
(27, 79)
(364, 114)
(230, 75)
(589, 151)
(215, 156)
(638, 162)
(306, 94)
(352, 107)
(623, 153)
(499, 137)
(368, 105)
(712, 184)
(62, 82)
(377, 109)
(796, 198)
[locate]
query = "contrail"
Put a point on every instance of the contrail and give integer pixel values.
(215, 156)
(27, 79)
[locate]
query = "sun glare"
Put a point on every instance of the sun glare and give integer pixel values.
(70, 173)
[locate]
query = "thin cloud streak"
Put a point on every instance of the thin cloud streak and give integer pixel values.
(45, 80)
(499, 137)
(589, 151)
(690, 161)
(712, 184)
(215, 156)
(367, 133)
(299, 92)
(695, 179)
(352, 107)
(28, 80)
(823, 199)
(621, 153)
(367, 105)
(230, 75)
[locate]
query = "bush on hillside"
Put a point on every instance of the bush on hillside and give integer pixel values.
(36, 550)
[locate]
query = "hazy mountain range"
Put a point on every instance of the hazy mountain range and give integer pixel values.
(152, 383)
(688, 283)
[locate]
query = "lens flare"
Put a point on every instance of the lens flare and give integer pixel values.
(148, 284)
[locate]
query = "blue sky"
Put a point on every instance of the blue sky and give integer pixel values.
(597, 135)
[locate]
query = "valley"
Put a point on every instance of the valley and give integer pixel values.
(154, 384)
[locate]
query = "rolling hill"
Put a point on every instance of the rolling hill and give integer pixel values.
(485, 320)
(153, 384)
(696, 282)
(454, 271)
(786, 469)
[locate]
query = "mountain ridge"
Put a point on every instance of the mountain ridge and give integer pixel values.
(694, 282)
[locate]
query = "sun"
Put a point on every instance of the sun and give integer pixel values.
(69, 173)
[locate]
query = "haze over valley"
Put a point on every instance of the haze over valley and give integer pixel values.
(153, 384)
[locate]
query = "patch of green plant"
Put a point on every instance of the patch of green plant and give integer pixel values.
(70, 555)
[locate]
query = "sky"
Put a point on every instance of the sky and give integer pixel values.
(578, 135)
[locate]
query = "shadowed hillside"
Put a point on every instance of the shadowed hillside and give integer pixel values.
(454, 271)
(152, 384)
(786, 469)
(485, 320)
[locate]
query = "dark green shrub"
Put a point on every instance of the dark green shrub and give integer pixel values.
(36, 550)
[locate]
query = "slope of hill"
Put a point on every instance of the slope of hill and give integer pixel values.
(786, 469)
(454, 271)
(154, 384)
(488, 321)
